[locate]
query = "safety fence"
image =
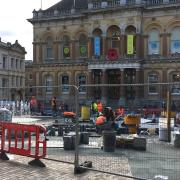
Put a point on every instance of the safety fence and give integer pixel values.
(25, 140)
(147, 148)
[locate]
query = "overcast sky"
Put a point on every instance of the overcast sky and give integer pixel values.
(14, 24)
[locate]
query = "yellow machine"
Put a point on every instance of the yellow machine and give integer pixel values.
(132, 121)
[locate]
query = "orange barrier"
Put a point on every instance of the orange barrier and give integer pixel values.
(19, 139)
(69, 114)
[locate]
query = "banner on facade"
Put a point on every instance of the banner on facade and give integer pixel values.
(130, 48)
(153, 47)
(97, 46)
(175, 44)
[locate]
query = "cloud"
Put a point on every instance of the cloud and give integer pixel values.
(14, 24)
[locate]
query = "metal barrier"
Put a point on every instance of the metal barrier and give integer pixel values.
(18, 139)
(136, 158)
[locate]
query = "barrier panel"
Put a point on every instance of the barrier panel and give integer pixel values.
(19, 138)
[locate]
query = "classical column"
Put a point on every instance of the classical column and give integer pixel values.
(164, 37)
(164, 87)
(90, 89)
(122, 89)
(122, 45)
(60, 55)
(73, 52)
(72, 81)
(40, 84)
(145, 40)
(90, 47)
(137, 81)
(56, 50)
(55, 89)
(139, 45)
(122, 82)
(40, 53)
(34, 52)
(104, 88)
(104, 46)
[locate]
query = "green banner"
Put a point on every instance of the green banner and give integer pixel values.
(130, 49)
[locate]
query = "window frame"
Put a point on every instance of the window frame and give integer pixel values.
(156, 42)
(153, 81)
(82, 90)
(63, 89)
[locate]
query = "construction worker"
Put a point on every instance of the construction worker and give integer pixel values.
(94, 107)
(54, 106)
(121, 111)
(99, 106)
(33, 104)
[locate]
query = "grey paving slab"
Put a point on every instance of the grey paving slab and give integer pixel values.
(17, 168)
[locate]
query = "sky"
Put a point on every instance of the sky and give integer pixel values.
(14, 24)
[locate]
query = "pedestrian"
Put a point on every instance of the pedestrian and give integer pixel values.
(54, 106)
(33, 104)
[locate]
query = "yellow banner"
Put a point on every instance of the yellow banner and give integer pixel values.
(130, 49)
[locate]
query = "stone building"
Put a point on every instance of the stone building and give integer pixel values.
(12, 71)
(85, 42)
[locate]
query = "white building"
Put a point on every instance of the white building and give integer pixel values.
(12, 71)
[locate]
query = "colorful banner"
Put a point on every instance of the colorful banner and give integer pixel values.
(175, 44)
(153, 47)
(130, 48)
(97, 42)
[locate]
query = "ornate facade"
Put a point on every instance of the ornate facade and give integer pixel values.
(12, 71)
(106, 42)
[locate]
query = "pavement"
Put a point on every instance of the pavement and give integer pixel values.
(17, 167)
(160, 160)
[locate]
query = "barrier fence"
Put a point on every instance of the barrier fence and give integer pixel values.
(146, 147)
(18, 139)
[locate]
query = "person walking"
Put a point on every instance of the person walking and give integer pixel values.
(54, 106)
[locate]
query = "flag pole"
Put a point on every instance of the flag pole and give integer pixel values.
(41, 4)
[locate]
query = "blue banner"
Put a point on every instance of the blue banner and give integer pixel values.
(176, 44)
(97, 42)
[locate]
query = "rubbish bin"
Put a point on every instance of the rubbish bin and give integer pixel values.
(85, 113)
(109, 140)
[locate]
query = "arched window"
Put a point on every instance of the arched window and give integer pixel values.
(64, 82)
(66, 47)
(83, 48)
(114, 37)
(153, 78)
(175, 40)
(81, 81)
(49, 48)
(153, 42)
(49, 84)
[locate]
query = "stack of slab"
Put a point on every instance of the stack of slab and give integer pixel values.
(130, 142)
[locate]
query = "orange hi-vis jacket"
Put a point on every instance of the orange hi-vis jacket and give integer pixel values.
(121, 111)
(99, 107)
(100, 120)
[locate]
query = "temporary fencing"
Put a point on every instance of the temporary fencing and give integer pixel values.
(141, 156)
(18, 139)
